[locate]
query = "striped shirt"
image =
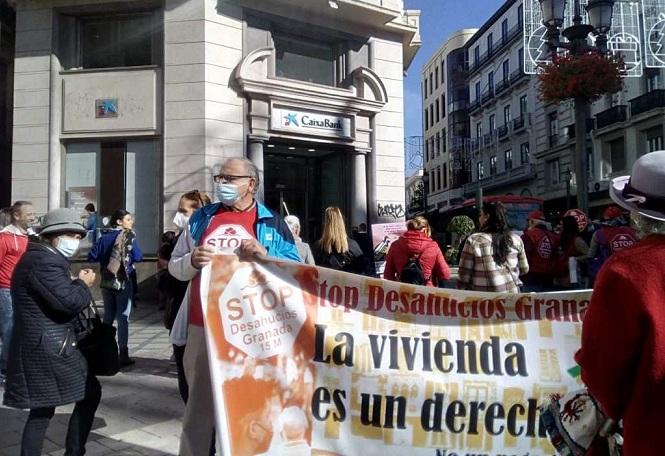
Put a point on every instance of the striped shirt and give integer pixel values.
(478, 270)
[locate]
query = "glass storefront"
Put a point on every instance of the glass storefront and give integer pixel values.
(130, 180)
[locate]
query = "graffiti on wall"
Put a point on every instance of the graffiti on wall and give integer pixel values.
(394, 210)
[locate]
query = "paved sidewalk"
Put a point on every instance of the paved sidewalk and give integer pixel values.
(140, 412)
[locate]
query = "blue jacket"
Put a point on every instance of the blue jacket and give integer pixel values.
(271, 231)
(102, 249)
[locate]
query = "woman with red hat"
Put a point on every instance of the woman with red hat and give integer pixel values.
(613, 236)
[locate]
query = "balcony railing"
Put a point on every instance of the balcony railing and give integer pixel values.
(474, 105)
(488, 95)
(520, 173)
(519, 122)
(517, 75)
(502, 85)
(496, 48)
(554, 140)
(570, 129)
(651, 100)
(611, 116)
(503, 131)
(488, 139)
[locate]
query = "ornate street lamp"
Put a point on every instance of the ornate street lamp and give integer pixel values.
(600, 18)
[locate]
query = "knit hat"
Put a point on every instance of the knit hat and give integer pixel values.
(644, 190)
(62, 220)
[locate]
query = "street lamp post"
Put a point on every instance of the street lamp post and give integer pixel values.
(600, 18)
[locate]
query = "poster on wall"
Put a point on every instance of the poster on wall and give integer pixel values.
(383, 235)
(79, 197)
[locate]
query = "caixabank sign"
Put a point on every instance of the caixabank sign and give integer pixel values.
(311, 123)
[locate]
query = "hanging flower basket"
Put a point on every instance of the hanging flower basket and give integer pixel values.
(588, 76)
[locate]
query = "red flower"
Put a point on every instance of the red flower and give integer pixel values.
(590, 75)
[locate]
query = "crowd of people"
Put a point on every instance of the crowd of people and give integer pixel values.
(40, 299)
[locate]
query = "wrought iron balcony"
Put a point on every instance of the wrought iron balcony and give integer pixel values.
(570, 129)
(611, 116)
(488, 139)
(474, 105)
(650, 100)
(502, 85)
(503, 131)
(488, 95)
(519, 122)
(520, 173)
(554, 140)
(517, 75)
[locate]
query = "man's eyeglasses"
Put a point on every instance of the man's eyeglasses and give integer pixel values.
(228, 178)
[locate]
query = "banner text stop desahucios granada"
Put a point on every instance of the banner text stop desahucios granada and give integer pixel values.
(307, 360)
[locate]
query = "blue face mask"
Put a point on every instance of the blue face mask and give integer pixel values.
(227, 194)
(67, 246)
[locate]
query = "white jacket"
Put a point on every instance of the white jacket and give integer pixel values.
(180, 267)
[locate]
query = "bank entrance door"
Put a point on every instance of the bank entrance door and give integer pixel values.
(303, 181)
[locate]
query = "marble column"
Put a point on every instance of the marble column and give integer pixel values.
(255, 154)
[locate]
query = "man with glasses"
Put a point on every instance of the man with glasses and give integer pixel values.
(236, 224)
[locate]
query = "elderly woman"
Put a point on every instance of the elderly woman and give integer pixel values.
(623, 335)
(45, 368)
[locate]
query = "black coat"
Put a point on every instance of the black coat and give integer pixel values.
(45, 369)
(353, 261)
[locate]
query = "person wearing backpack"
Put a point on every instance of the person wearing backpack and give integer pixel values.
(415, 257)
(613, 236)
(335, 249)
(541, 246)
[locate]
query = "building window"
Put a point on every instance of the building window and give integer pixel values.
(654, 138)
(479, 130)
(426, 119)
(523, 105)
(431, 84)
(431, 115)
(117, 41)
(304, 60)
(117, 174)
(425, 85)
(508, 159)
(490, 81)
(504, 30)
(438, 178)
(426, 151)
(444, 142)
(553, 129)
(445, 175)
(520, 59)
(492, 165)
(476, 55)
(438, 108)
(443, 72)
(506, 115)
(480, 171)
(490, 44)
(478, 91)
(436, 78)
(653, 81)
(524, 153)
(443, 106)
(554, 172)
(438, 144)
(520, 15)
(506, 70)
(431, 182)
(614, 157)
(492, 123)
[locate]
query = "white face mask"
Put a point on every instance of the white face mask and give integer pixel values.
(67, 246)
(227, 194)
(180, 220)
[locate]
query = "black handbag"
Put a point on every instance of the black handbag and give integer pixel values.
(96, 341)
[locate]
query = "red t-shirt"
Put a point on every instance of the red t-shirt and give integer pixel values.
(225, 232)
(12, 247)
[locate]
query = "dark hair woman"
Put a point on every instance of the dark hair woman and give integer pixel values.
(573, 245)
(116, 252)
(418, 245)
(45, 368)
(171, 290)
(493, 258)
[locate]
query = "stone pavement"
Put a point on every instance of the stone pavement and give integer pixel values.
(140, 412)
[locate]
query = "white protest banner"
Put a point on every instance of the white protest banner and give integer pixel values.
(307, 360)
